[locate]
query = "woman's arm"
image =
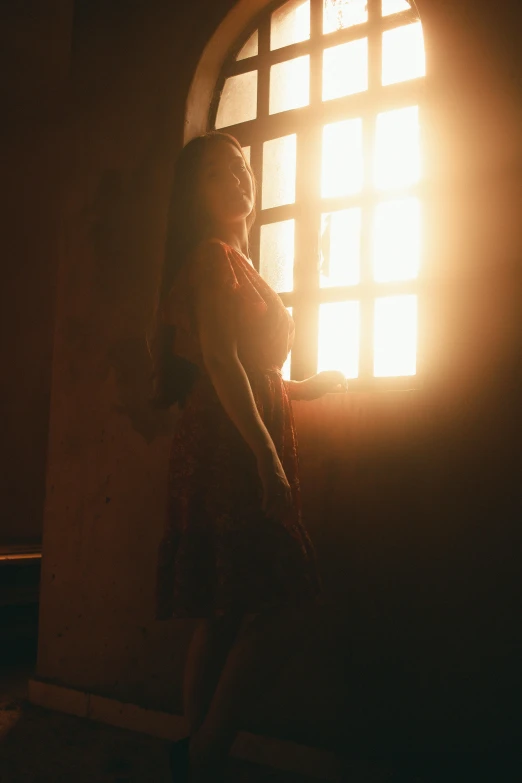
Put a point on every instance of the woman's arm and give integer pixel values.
(294, 389)
(218, 340)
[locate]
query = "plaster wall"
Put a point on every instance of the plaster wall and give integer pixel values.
(411, 497)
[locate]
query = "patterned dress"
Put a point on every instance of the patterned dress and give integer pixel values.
(219, 551)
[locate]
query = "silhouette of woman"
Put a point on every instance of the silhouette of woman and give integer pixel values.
(234, 552)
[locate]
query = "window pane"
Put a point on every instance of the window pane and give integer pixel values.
(246, 153)
(279, 160)
(345, 69)
(277, 255)
(403, 54)
(250, 49)
(286, 366)
(238, 101)
(342, 164)
(338, 347)
(340, 247)
(338, 14)
(395, 335)
(394, 6)
(290, 24)
(396, 237)
(397, 152)
(290, 84)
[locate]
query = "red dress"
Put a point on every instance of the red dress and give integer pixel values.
(219, 551)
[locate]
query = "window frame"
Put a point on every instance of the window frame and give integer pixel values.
(307, 123)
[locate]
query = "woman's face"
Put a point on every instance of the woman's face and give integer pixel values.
(225, 184)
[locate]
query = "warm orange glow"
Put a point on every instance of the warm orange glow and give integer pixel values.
(339, 14)
(395, 336)
(279, 168)
(396, 240)
(403, 54)
(394, 245)
(340, 247)
(286, 366)
(238, 100)
(250, 48)
(394, 6)
(276, 253)
(290, 85)
(345, 69)
(290, 24)
(397, 150)
(342, 165)
(338, 347)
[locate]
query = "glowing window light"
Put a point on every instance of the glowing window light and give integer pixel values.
(342, 163)
(396, 236)
(276, 251)
(289, 85)
(340, 247)
(290, 24)
(338, 346)
(238, 100)
(403, 54)
(345, 69)
(395, 336)
(250, 48)
(397, 148)
(339, 14)
(396, 240)
(394, 7)
(279, 167)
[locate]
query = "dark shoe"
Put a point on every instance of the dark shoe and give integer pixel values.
(179, 760)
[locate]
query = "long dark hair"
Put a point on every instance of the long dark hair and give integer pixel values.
(173, 376)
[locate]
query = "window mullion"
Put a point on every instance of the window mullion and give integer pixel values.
(256, 151)
(306, 276)
(369, 124)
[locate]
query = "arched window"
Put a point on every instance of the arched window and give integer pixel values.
(325, 98)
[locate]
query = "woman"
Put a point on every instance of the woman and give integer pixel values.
(234, 547)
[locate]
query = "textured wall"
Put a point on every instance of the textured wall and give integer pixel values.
(411, 497)
(34, 60)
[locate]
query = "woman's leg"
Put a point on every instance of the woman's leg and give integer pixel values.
(206, 657)
(258, 655)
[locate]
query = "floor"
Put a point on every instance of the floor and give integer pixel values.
(42, 746)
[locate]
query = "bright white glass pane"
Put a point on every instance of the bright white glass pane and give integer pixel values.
(279, 162)
(345, 69)
(276, 253)
(290, 24)
(397, 150)
(238, 101)
(396, 240)
(289, 84)
(403, 54)
(338, 347)
(286, 366)
(394, 6)
(342, 162)
(338, 14)
(340, 247)
(395, 336)
(250, 48)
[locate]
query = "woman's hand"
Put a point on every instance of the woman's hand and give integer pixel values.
(277, 494)
(326, 382)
